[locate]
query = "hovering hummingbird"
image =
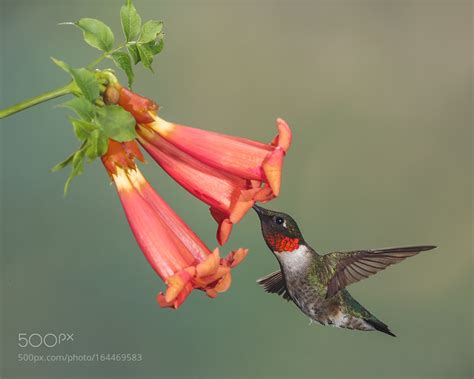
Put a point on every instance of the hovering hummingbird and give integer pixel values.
(316, 283)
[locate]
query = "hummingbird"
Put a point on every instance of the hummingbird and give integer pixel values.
(316, 283)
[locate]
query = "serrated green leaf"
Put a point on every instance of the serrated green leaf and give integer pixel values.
(82, 128)
(133, 50)
(131, 21)
(96, 33)
(117, 123)
(85, 80)
(97, 144)
(122, 60)
(77, 168)
(62, 65)
(83, 107)
(150, 30)
(146, 56)
(63, 164)
(87, 83)
(156, 47)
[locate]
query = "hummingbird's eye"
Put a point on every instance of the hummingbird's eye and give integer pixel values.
(279, 220)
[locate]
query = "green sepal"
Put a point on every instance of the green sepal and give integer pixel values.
(117, 123)
(131, 21)
(122, 60)
(150, 31)
(96, 33)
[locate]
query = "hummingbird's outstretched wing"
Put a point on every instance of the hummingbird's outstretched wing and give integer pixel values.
(342, 269)
(275, 283)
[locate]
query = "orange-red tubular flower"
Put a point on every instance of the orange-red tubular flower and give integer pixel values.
(241, 157)
(173, 250)
(228, 173)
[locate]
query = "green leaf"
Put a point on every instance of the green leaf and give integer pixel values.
(77, 168)
(63, 164)
(117, 123)
(131, 20)
(62, 65)
(156, 47)
(146, 56)
(96, 33)
(150, 30)
(85, 80)
(122, 60)
(87, 83)
(97, 144)
(83, 107)
(82, 128)
(133, 50)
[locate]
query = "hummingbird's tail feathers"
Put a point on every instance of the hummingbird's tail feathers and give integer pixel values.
(380, 326)
(275, 283)
(350, 267)
(356, 316)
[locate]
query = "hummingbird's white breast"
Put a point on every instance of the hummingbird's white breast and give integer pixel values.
(294, 262)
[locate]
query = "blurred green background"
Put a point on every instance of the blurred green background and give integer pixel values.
(379, 96)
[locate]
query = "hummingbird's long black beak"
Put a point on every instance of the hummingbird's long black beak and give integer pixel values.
(256, 208)
(260, 211)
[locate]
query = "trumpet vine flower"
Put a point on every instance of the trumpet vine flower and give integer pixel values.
(174, 251)
(228, 173)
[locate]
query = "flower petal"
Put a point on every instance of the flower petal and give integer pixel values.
(272, 167)
(238, 156)
(210, 265)
(163, 250)
(179, 228)
(224, 283)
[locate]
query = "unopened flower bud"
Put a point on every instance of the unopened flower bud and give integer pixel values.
(111, 95)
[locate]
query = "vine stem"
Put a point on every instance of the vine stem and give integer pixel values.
(107, 54)
(61, 91)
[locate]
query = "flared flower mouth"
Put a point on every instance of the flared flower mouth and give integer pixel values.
(213, 275)
(174, 251)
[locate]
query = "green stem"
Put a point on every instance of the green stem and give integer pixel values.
(107, 54)
(97, 61)
(67, 89)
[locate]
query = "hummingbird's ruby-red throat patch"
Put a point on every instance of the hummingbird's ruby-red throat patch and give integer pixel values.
(281, 243)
